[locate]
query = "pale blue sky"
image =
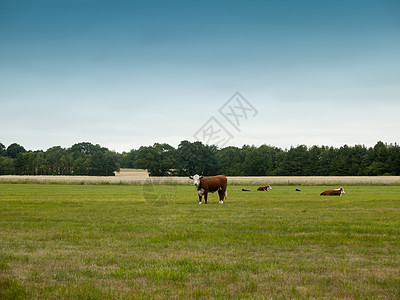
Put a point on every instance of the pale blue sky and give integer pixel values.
(130, 73)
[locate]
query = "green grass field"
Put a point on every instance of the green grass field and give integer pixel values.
(132, 241)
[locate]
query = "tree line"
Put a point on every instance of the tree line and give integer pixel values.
(195, 157)
(80, 159)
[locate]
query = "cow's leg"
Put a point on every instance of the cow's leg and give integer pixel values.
(200, 192)
(205, 198)
(221, 194)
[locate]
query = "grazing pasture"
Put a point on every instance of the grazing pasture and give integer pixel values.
(65, 241)
(127, 176)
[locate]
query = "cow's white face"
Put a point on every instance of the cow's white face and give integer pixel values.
(341, 190)
(196, 179)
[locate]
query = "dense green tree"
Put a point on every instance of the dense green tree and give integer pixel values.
(355, 160)
(381, 151)
(54, 161)
(67, 161)
(159, 159)
(315, 160)
(88, 159)
(84, 148)
(295, 162)
(127, 159)
(6, 165)
(81, 165)
(270, 159)
(22, 163)
(231, 160)
(103, 164)
(3, 150)
(197, 158)
(253, 163)
(394, 159)
(341, 164)
(39, 163)
(14, 149)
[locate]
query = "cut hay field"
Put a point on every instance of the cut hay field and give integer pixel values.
(73, 241)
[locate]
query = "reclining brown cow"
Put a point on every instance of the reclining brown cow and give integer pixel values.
(264, 188)
(336, 192)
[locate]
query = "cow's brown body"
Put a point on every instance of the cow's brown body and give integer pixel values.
(212, 184)
(337, 192)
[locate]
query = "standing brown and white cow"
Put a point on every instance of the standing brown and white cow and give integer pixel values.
(210, 184)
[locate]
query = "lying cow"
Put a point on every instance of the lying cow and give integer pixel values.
(264, 188)
(210, 184)
(335, 192)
